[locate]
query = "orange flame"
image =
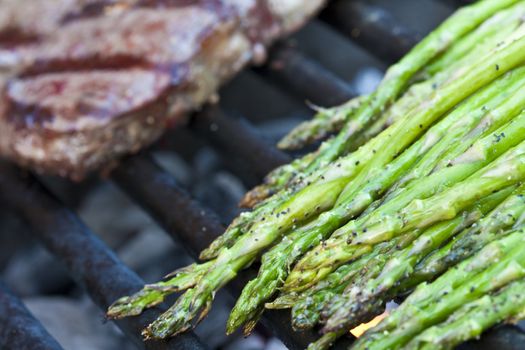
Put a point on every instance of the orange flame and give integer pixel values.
(363, 327)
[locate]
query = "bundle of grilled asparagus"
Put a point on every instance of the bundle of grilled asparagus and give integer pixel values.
(418, 195)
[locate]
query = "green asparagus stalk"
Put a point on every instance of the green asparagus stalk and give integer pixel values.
(394, 83)
(326, 341)
(339, 277)
(487, 35)
(365, 196)
(234, 231)
(452, 129)
(422, 213)
(154, 294)
(474, 318)
(426, 294)
(195, 302)
(510, 267)
(274, 183)
(228, 238)
(398, 76)
(284, 175)
(306, 312)
(325, 122)
(350, 308)
(335, 251)
(508, 102)
(507, 215)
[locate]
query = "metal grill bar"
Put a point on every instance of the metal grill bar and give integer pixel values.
(306, 77)
(236, 136)
(371, 27)
(18, 328)
(159, 194)
(89, 261)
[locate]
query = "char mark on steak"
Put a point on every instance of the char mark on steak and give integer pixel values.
(83, 82)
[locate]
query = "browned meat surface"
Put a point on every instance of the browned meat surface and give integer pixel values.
(85, 81)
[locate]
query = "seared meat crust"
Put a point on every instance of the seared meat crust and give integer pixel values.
(84, 82)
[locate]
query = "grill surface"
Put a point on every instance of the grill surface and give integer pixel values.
(18, 328)
(94, 266)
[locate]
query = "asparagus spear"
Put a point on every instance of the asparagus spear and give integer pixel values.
(285, 174)
(456, 140)
(325, 122)
(398, 76)
(356, 304)
(228, 238)
(422, 213)
(306, 312)
(154, 294)
(339, 277)
(276, 263)
(505, 216)
(335, 251)
(472, 319)
(427, 294)
(395, 81)
(326, 341)
(235, 230)
(376, 162)
(231, 260)
(452, 129)
(510, 267)
(487, 35)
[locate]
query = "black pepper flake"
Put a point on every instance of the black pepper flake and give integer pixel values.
(498, 137)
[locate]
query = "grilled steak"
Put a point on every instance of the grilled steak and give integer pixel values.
(85, 81)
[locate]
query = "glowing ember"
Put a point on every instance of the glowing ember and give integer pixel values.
(363, 327)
